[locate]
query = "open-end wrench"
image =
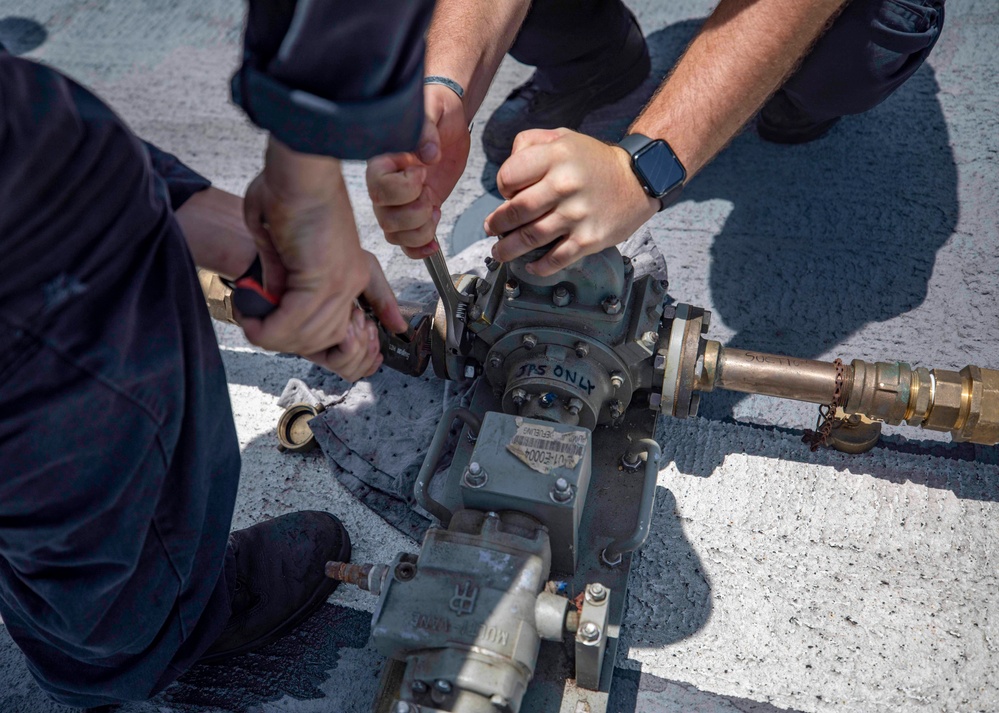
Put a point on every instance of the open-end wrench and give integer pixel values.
(455, 303)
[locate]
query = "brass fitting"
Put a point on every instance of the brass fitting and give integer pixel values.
(218, 296)
(965, 403)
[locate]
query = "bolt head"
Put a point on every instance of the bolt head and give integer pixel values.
(582, 349)
(469, 372)
(529, 341)
(561, 296)
(511, 289)
(617, 380)
(420, 687)
(650, 338)
(596, 592)
(611, 305)
(561, 492)
(442, 686)
(519, 396)
(589, 631)
(575, 406)
(404, 707)
(495, 361)
(474, 468)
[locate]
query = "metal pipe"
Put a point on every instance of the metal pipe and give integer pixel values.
(775, 375)
(965, 403)
(614, 552)
(421, 488)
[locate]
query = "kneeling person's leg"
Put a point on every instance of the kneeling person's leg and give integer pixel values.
(119, 456)
(870, 50)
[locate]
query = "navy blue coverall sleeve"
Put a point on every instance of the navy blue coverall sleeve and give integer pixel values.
(335, 77)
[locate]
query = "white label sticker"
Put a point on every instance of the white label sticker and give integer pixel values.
(542, 448)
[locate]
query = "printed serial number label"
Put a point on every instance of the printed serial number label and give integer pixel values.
(542, 448)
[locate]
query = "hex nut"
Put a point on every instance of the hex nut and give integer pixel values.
(529, 341)
(589, 631)
(596, 593)
(582, 349)
(519, 396)
(561, 296)
(982, 425)
(617, 379)
(946, 408)
(611, 305)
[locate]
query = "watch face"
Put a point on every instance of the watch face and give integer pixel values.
(660, 169)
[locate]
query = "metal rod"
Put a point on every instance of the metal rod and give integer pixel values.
(614, 552)
(421, 488)
(774, 375)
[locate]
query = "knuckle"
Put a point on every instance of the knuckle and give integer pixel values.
(531, 237)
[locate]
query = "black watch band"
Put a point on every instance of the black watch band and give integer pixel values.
(657, 168)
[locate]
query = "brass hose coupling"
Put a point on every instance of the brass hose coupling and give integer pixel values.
(965, 403)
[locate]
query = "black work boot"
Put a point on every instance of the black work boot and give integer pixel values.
(782, 122)
(542, 103)
(280, 579)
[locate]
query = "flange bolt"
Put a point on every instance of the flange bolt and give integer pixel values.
(589, 632)
(611, 305)
(562, 491)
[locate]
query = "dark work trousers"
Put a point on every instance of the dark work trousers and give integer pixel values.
(118, 455)
(868, 52)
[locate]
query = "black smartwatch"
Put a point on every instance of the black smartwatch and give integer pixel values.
(656, 166)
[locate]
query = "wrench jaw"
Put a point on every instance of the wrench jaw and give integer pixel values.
(455, 303)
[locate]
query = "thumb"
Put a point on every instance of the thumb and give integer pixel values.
(429, 148)
(382, 300)
(274, 273)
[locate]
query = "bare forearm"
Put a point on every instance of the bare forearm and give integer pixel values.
(216, 234)
(467, 40)
(744, 52)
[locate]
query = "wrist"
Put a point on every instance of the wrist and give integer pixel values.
(644, 205)
(658, 170)
(297, 178)
(446, 98)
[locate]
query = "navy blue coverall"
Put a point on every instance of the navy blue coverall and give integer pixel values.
(118, 455)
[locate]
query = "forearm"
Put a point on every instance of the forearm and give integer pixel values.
(742, 55)
(467, 40)
(216, 234)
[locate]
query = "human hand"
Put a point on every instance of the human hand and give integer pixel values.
(407, 189)
(565, 186)
(301, 220)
